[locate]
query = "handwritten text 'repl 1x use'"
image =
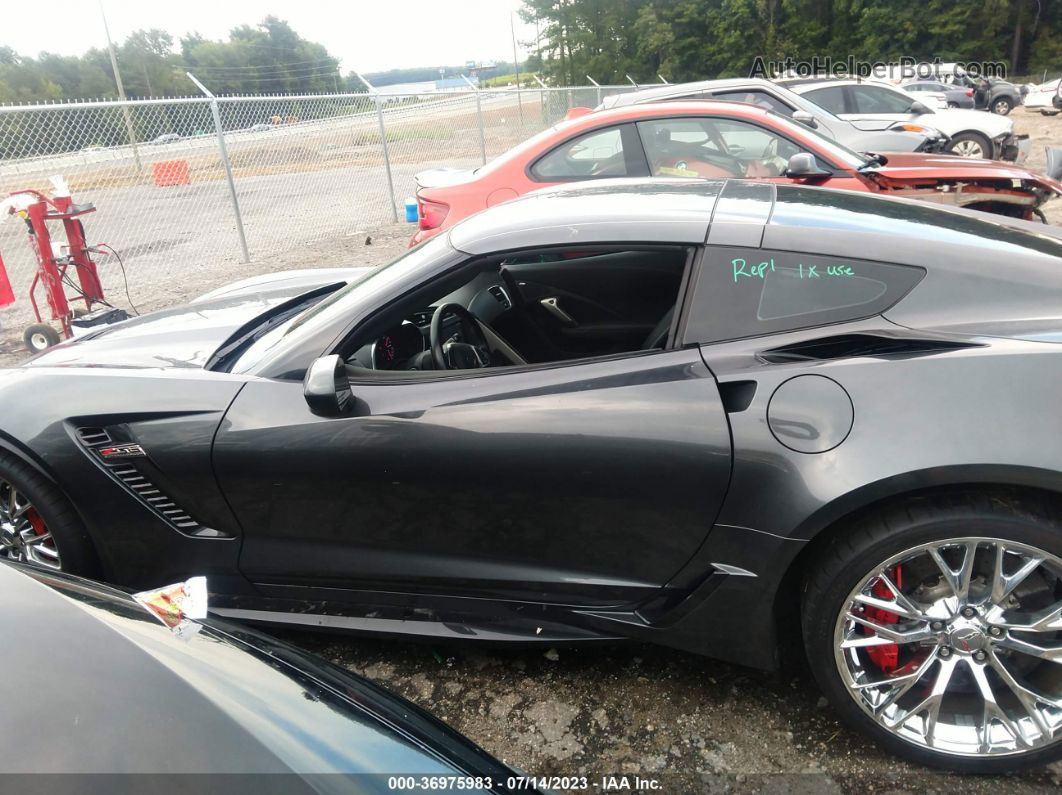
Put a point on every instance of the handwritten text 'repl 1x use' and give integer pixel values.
(742, 268)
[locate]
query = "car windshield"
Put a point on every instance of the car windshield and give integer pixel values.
(324, 311)
(838, 151)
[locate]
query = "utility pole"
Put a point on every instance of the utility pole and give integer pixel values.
(121, 90)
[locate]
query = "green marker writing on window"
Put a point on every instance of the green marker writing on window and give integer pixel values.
(742, 268)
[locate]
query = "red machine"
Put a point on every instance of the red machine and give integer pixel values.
(52, 268)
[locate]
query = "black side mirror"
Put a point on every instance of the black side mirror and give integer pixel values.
(918, 107)
(804, 165)
(805, 118)
(327, 388)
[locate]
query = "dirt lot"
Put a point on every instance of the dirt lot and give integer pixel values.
(691, 723)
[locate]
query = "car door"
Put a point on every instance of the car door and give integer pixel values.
(585, 482)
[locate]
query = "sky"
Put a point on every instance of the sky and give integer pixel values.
(367, 35)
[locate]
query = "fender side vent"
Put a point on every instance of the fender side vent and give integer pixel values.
(850, 346)
(93, 437)
(156, 500)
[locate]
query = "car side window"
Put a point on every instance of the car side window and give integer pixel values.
(829, 97)
(874, 99)
(712, 147)
(598, 153)
(744, 292)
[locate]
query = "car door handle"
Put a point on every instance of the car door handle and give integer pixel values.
(553, 307)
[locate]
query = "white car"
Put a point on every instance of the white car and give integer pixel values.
(877, 106)
(1046, 98)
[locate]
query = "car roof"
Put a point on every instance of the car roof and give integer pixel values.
(795, 83)
(674, 89)
(692, 107)
(643, 210)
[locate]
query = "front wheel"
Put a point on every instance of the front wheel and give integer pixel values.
(970, 144)
(936, 629)
(38, 525)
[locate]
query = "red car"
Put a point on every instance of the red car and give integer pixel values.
(719, 139)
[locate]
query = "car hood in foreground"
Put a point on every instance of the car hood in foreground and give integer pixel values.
(915, 165)
(115, 691)
(186, 336)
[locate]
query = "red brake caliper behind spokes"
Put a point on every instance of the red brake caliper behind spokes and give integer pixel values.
(887, 658)
(36, 522)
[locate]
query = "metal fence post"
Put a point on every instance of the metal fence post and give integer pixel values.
(228, 166)
(387, 157)
(383, 143)
(597, 86)
(479, 115)
(541, 97)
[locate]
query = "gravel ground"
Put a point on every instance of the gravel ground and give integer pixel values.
(688, 722)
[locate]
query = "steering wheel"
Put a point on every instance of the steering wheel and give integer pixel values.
(448, 354)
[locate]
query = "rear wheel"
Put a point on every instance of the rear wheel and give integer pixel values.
(970, 144)
(38, 525)
(936, 628)
(1002, 106)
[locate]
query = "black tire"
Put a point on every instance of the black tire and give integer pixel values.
(850, 555)
(1002, 106)
(77, 555)
(959, 140)
(39, 337)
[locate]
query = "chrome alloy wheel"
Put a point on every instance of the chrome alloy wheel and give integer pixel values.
(956, 646)
(23, 534)
(969, 148)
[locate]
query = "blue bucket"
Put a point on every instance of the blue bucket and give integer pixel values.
(411, 210)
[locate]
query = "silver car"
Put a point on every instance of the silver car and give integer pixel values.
(911, 138)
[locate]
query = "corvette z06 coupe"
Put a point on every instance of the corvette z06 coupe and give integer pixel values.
(716, 415)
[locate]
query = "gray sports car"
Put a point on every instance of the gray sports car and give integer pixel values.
(714, 415)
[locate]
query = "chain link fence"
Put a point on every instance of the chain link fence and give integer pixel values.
(303, 169)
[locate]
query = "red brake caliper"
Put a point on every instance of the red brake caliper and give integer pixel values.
(36, 522)
(887, 658)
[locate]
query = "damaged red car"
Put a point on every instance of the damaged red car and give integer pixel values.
(724, 139)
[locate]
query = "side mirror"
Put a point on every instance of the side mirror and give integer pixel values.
(804, 165)
(327, 388)
(805, 118)
(918, 107)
